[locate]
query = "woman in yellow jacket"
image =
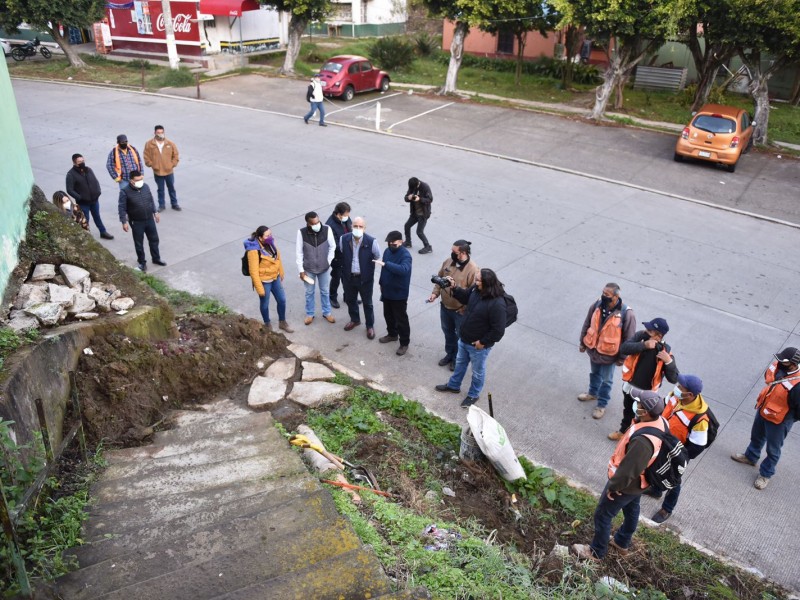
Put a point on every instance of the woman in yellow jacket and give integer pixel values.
(266, 272)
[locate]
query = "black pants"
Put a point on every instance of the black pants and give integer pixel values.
(421, 222)
(627, 412)
(141, 229)
(336, 277)
(396, 314)
(352, 288)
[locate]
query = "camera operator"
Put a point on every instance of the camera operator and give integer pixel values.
(648, 360)
(483, 326)
(419, 198)
(451, 312)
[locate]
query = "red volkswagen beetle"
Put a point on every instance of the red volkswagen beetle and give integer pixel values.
(345, 76)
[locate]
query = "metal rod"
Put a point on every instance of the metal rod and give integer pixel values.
(197, 83)
(143, 88)
(76, 408)
(491, 408)
(48, 450)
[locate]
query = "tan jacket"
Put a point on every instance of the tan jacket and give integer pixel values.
(163, 162)
(464, 278)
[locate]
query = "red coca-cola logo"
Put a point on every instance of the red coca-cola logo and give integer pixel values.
(180, 23)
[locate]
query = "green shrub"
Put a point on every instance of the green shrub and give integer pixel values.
(426, 44)
(543, 67)
(95, 59)
(716, 95)
(391, 53)
(138, 63)
(181, 77)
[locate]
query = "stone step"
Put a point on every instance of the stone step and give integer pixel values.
(355, 575)
(215, 425)
(181, 447)
(281, 462)
(419, 593)
(193, 456)
(184, 512)
(244, 550)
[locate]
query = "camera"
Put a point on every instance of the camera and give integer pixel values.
(442, 282)
(659, 346)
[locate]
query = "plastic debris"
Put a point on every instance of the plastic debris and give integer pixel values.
(122, 312)
(88, 352)
(440, 538)
(448, 492)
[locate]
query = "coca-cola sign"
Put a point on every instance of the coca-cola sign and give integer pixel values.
(180, 23)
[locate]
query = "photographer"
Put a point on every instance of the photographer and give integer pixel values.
(419, 197)
(463, 272)
(483, 326)
(649, 360)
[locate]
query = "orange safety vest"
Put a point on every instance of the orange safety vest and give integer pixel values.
(629, 366)
(607, 338)
(118, 166)
(773, 401)
(679, 419)
(622, 446)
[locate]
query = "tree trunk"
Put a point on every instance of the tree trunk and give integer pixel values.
(795, 97)
(520, 51)
(571, 40)
(72, 55)
(619, 88)
(603, 92)
(707, 78)
(169, 33)
(456, 56)
(759, 89)
(297, 25)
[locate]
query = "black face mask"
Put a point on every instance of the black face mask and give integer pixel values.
(454, 256)
(81, 167)
(394, 248)
(124, 146)
(606, 301)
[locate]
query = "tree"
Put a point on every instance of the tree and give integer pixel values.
(572, 38)
(767, 27)
(302, 13)
(47, 15)
(452, 11)
(519, 17)
(630, 29)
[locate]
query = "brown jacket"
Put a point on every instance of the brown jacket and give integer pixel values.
(163, 162)
(463, 277)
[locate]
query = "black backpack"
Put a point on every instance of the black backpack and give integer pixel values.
(511, 309)
(245, 265)
(667, 469)
(713, 426)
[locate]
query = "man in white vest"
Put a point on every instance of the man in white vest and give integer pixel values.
(315, 97)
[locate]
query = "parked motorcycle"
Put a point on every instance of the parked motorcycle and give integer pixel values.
(19, 53)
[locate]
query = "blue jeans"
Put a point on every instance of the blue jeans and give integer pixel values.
(94, 210)
(600, 380)
(468, 353)
(316, 106)
(276, 289)
(603, 515)
(766, 432)
(324, 281)
(671, 499)
(170, 181)
(451, 326)
(124, 183)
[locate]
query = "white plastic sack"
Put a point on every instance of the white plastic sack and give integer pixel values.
(493, 441)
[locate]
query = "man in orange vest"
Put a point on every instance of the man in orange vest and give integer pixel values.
(122, 160)
(683, 404)
(608, 324)
(626, 481)
(648, 360)
(778, 407)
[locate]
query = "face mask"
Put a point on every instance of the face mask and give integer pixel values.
(636, 407)
(454, 256)
(357, 233)
(606, 301)
(137, 184)
(269, 240)
(160, 136)
(81, 166)
(394, 248)
(345, 219)
(316, 228)
(676, 391)
(66, 205)
(124, 146)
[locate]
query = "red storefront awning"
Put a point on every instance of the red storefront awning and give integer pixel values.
(231, 8)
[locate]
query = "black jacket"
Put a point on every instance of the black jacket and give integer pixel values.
(136, 205)
(339, 229)
(646, 367)
(425, 199)
(484, 318)
(83, 186)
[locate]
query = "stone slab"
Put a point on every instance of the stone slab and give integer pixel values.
(283, 369)
(122, 304)
(22, 323)
(48, 313)
(304, 352)
(61, 294)
(314, 393)
(30, 294)
(73, 275)
(266, 392)
(43, 272)
(81, 304)
(313, 371)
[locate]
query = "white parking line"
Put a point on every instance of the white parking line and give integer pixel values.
(363, 103)
(389, 129)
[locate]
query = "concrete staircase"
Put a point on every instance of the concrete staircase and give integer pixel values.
(219, 507)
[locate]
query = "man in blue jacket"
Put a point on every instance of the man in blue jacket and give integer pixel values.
(395, 282)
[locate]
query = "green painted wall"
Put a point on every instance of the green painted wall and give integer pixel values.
(16, 179)
(363, 30)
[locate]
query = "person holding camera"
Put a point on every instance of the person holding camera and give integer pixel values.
(484, 325)
(648, 360)
(419, 197)
(451, 312)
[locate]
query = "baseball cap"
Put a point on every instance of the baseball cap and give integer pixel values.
(394, 236)
(121, 138)
(789, 354)
(691, 383)
(650, 401)
(658, 324)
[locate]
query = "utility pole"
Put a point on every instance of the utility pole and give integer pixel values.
(169, 31)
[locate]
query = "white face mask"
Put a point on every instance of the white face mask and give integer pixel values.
(316, 228)
(345, 219)
(357, 233)
(677, 392)
(137, 184)
(66, 205)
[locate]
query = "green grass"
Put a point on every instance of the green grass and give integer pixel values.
(184, 301)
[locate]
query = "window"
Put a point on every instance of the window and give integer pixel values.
(745, 121)
(366, 66)
(341, 12)
(714, 124)
(353, 69)
(333, 67)
(505, 42)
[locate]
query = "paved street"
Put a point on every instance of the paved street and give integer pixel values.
(727, 283)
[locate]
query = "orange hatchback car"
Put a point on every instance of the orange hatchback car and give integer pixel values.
(716, 133)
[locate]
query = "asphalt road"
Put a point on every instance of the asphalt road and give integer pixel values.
(727, 283)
